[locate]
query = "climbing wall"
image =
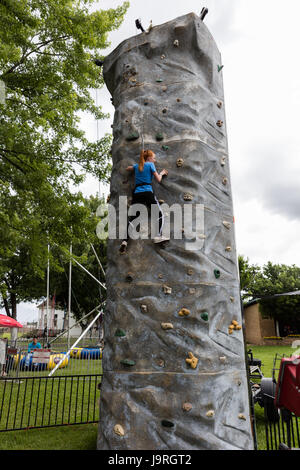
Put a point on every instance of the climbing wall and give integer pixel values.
(173, 363)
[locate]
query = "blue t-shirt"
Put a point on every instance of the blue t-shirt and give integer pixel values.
(32, 346)
(144, 176)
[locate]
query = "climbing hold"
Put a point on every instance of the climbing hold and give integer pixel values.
(164, 88)
(164, 111)
(161, 201)
(133, 136)
(187, 406)
(127, 362)
(165, 147)
(161, 363)
(149, 28)
(220, 67)
(239, 327)
(159, 137)
(225, 181)
(129, 277)
(163, 56)
(220, 104)
(176, 43)
(243, 417)
(227, 225)
(161, 276)
(190, 272)
(232, 299)
(184, 312)
(235, 323)
(204, 316)
(228, 249)
(108, 198)
(223, 161)
(192, 360)
(210, 414)
(144, 308)
(167, 326)
(159, 80)
(167, 290)
(119, 430)
(167, 424)
(178, 100)
(188, 197)
(220, 123)
(230, 331)
(146, 103)
(192, 291)
(120, 333)
(180, 162)
(217, 273)
(223, 359)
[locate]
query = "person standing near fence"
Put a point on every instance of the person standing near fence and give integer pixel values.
(34, 344)
(3, 345)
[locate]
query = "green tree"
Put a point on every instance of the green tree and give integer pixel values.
(271, 279)
(47, 53)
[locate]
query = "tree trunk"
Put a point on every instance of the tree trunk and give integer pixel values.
(6, 306)
(13, 301)
(174, 372)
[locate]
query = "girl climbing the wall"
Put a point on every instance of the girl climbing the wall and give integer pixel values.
(143, 191)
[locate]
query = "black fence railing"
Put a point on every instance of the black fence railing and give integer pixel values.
(282, 432)
(36, 402)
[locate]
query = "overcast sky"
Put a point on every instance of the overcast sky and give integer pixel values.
(259, 42)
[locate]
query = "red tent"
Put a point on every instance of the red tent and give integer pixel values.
(8, 322)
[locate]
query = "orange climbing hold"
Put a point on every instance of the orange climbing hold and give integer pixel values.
(192, 360)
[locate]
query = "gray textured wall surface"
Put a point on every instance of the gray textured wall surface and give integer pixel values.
(160, 401)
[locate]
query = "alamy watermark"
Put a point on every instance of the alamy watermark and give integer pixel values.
(135, 222)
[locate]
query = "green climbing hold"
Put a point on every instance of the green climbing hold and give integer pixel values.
(217, 273)
(165, 147)
(133, 136)
(159, 137)
(167, 424)
(204, 316)
(220, 67)
(159, 80)
(127, 362)
(120, 333)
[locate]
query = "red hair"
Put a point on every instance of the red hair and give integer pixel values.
(145, 154)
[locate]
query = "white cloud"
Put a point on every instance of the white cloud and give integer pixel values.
(259, 46)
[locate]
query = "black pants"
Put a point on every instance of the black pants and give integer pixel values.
(146, 198)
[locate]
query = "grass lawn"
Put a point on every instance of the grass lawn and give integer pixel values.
(83, 437)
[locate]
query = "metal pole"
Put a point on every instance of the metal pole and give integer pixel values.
(48, 275)
(70, 294)
(103, 272)
(76, 342)
(89, 273)
(75, 324)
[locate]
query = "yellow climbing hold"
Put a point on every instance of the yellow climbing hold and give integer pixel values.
(167, 326)
(243, 417)
(184, 312)
(210, 414)
(119, 430)
(192, 360)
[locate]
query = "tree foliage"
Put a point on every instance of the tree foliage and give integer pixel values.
(47, 53)
(271, 279)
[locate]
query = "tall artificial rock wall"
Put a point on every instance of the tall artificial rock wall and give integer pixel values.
(168, 85)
